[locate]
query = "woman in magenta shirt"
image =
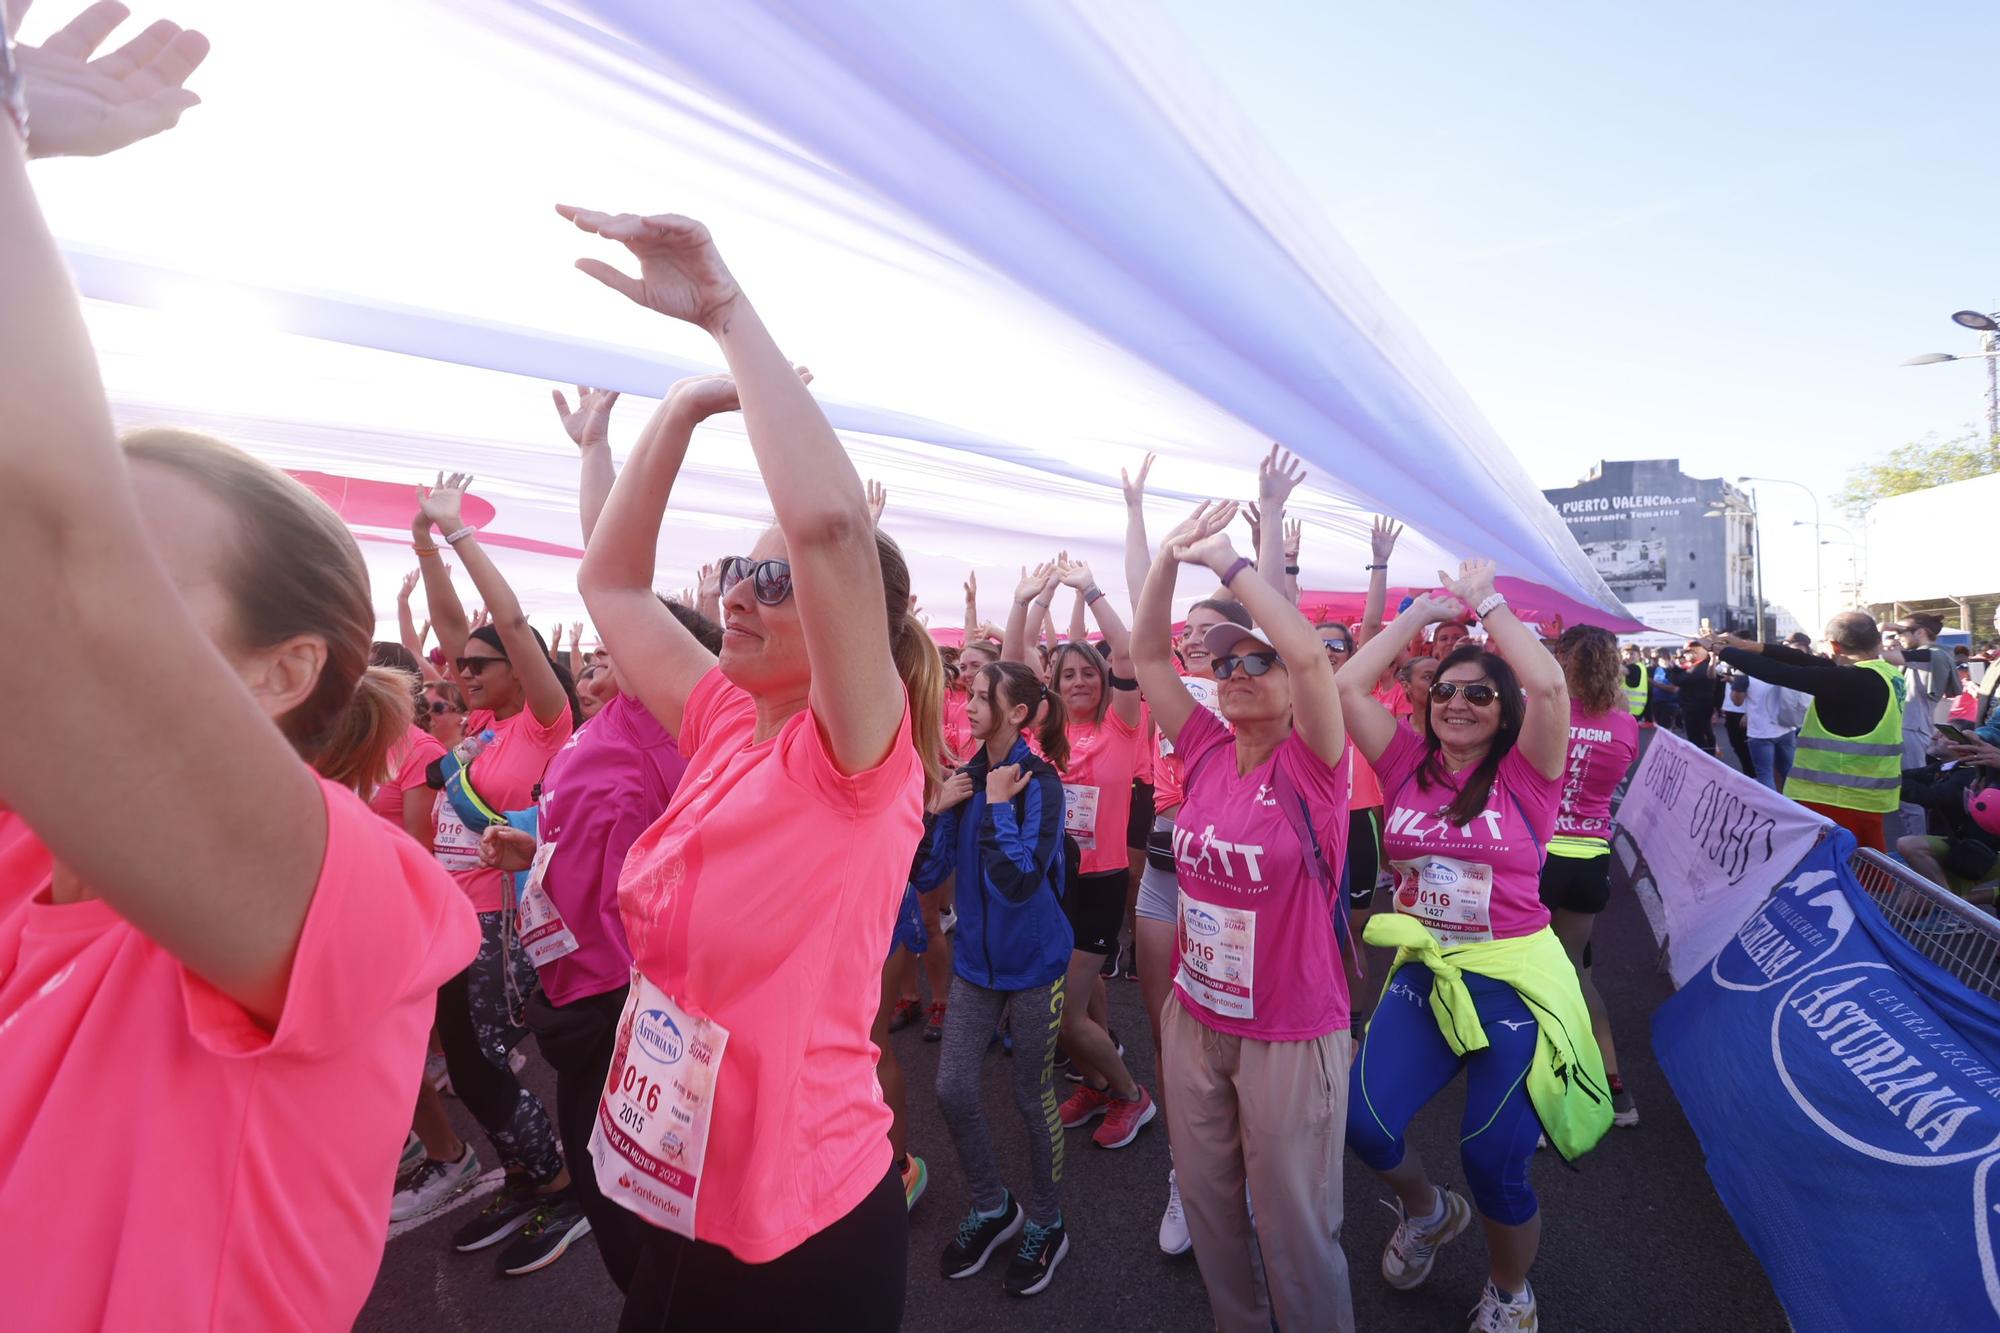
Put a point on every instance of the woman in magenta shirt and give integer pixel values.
(1255, 1042)
(216, 964)
(742, 1120)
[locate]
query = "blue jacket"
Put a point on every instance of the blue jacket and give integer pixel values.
(1012, 934)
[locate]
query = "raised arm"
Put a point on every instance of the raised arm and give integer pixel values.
(1278, 475)
(406, 622)
(1079, 630)
(1372, 725)
(447, 612)
(575, 650)
(1030, 592)
(1545, 729)
(1295, 535)
(659, 661)
(1138, 556)
(971, 606)
(1077, 575)
(1152, 642)
(440, 507)
(1381, 545)
(588, 426)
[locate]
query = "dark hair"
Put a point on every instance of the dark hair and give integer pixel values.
(1346, 634)
(1083, 652)
(1234, 612)
(490, 636)
(706, 632)
(1590, 661)
(1017, 684)
(396, 657)
(1472, 797)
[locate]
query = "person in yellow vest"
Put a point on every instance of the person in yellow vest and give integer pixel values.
(1638, 682)
(1849, 765)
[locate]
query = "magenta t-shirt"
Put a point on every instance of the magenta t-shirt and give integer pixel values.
(1476, 882)
(1601, 749)
(1258, 952)
(600, 792)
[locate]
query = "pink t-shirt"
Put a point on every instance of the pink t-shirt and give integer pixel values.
(165, 1161)
(601, 791)
(1097, 790)
(764, 899)
(1255, 896)
(408, 759)
(958, 741)
(1395, 699)
(504, 775)
(1507, 839)
(1364, 790)
(1601, 749)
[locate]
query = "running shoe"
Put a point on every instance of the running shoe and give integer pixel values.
(555, 1226)
(1413, 1247)
(1128, 962)
(978, 1237)
(1174, 1237)
(504, 1214)
(916, 1178)
(1124, 1120)
(413, 1156)
(934, 1027)
(1084, 1105)
(1624, 1113)
(1495, 1313)
(1034, 1264)
(1109, 967)
(432, 1185)
(905, 1013)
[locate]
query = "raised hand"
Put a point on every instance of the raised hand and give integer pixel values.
(555, 640)
(1474, 583)
(576, 635)
(878, 500)
(1135, 488)
(85, 108)
(590, 422)
(681, 274)
(410, 581)
(705, 396)
(1202, 535)
(972, 588)
(1382, 538)
(1004, 783)
(439, 505)
(710, 584)
(1073, 573)
(1033, 585)
(1295, 533)
(1433, 608)
(1255, 518)
(1278, 476)
(480, 618)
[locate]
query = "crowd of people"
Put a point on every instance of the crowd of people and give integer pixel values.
(350, 874)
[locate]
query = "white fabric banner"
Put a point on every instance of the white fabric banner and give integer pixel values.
(1702, 846)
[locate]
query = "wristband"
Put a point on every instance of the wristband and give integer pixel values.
(1490, 604)
(423, 550)
(1119, 682)
(1291, 569)
(1091, 594)
(454, 538)
(1372, 568)
(1243, 562)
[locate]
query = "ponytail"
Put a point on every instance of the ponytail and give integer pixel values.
(1014, 683)
(356, 751)
(917, 664)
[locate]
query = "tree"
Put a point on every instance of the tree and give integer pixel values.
(1918, 466)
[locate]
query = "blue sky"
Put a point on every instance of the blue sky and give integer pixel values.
(1703, 230)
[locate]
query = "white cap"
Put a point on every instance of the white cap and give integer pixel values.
(1223, 639)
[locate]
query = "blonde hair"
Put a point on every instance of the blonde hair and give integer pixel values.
(917, 663)
(296, 570)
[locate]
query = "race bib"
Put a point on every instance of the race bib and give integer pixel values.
(1218, 957)
(544, 934)
(651, 1135)
(457, 846)
(1453, 898)
(1080, 814)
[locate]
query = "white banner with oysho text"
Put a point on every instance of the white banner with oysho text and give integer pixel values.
(1703, 845)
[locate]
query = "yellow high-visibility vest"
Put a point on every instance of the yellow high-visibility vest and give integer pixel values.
(1853, 772)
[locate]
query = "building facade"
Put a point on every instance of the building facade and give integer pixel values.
(1647, 527)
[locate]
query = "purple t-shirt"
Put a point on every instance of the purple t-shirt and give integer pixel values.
(1258, 952)
(1480, 881)
(601, 791)
(1601, 748)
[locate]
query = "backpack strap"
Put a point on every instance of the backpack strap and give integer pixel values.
(1293, 802)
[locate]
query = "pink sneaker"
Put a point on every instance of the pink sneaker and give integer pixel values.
(1085, 1105)
(1124, 1120)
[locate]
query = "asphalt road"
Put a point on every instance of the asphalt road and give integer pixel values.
(1633, 1239)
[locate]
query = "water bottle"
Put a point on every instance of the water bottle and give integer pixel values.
(469, 748)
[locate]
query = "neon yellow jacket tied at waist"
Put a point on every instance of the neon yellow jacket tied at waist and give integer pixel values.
(1566, 1083)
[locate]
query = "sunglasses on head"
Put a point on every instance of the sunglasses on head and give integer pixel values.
(472, 666)
(771, 579)
(1478, 694)
(1253, 664)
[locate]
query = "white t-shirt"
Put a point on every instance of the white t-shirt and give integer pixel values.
(1774, 710)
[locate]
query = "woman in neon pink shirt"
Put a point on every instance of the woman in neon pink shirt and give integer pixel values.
(742, 1119)
(216, 968)
(1256, 1036)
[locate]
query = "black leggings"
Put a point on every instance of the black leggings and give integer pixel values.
(477, 1028)
(578, 1039)
(1739, 740)
(846, 1279)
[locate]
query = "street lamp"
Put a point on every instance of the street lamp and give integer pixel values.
(1819, 585)
(1988, 329)
(1724, 509)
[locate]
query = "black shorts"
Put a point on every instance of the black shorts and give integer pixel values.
(1095, 906)
(1576, 883)
(1142, 816)
(1364, 857)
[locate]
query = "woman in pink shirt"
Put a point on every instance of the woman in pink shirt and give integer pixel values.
(1255, 1039)
(742, 1119)
(216, 964)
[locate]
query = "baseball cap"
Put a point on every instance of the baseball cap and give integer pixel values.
(1223, 639)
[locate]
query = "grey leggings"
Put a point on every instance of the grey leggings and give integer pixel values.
(1036, 1019)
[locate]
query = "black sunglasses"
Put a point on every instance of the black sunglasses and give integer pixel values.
(1253, 664)
(472, 666)
(772, 579)
(1478, 694)
(439, 708)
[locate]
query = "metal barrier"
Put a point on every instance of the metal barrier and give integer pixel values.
(1958, 937)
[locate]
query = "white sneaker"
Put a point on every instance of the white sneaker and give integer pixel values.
(1496, 1314)
(1174, 1238)
(413, 1155)
(433, 1185)
(1407, 1258)
(1624, 1113)
(947, 921)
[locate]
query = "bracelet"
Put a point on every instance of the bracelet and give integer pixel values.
(1372, 568)
(1493, 603)
(1091, 594)
(1119, 682)
(423, 550)
(454, 538)
(1291, 569)
(1243, 562)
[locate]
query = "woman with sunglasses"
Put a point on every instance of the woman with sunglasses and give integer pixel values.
(520, 717)
(1576, 879)
(441, 711)
(1255, 1037)
(1102, 710)
(759, 907)
(1479, 981)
